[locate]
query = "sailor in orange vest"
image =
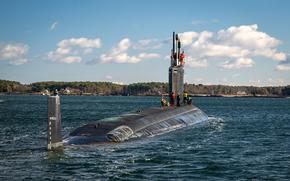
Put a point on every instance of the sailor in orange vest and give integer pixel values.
(172, 98)
(181, 58)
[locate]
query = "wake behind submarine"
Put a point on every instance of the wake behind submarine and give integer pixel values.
(177, 113)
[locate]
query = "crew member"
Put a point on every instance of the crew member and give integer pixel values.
(185, 97)
(172, 98)
(181, 58)
(163, 102)
(189, 102)
(178, 100)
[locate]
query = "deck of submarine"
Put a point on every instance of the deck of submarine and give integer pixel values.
(102, 127)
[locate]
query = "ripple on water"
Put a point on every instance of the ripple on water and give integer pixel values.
(244, 139)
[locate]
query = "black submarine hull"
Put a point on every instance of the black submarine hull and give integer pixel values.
(149, 122)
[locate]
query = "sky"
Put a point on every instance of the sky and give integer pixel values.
(126, 41)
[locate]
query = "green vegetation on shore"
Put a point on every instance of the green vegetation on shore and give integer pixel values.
(150, 88)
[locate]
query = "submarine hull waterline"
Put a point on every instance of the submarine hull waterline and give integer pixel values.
(149, 122)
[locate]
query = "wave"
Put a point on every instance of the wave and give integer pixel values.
(217, 124)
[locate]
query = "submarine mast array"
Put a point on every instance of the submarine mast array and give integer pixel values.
(176, 73)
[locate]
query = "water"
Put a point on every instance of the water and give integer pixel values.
(245, 139)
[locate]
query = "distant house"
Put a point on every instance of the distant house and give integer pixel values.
(45, 92)
(241, 93)
(67, 91)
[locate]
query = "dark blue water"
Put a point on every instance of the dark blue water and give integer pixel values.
(249, 138)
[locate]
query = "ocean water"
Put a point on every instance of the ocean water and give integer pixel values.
(245, 139)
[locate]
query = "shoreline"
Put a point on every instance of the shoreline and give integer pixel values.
(149, 95)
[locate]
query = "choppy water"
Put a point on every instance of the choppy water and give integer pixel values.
(246, 138)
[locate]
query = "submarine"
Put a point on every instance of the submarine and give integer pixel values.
(179, 113)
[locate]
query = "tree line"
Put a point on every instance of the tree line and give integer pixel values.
(149, 88)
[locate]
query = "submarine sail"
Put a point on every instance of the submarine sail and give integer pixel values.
(176, 72)
(179, 113)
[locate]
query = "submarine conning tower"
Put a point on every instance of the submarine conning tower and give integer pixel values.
(176, 73)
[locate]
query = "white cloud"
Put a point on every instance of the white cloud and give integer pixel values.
(216, 50)
(53, 25)
(247, 36)
(187, 37)
(239, 63)
(283, 67)
(70, 59)
(119, 54)
(197, 63)
(14, 53)
(80, 42)
(238, 44)
(148, 55)
(122, 46)
(71, 50)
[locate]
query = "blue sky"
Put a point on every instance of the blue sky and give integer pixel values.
(226, 42)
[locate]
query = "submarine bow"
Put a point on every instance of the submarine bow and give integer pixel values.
(145, 123)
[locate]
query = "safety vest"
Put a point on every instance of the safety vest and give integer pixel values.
(182, 56)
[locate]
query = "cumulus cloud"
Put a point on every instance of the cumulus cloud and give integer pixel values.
(239, 63)
(119, 54)
(53, 25)
(71, 50)
(197, 63)
(14, 53)
(187, 37)
(248, 37)
(237, 44)
(70, 59)
(283, 68)
(284, 65)
(80, 42)
(148, 55)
